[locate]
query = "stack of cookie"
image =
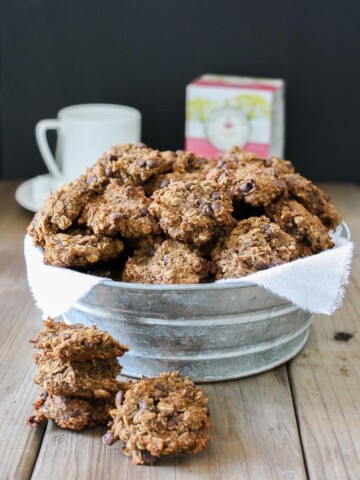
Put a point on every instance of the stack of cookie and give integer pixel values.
(77, 370)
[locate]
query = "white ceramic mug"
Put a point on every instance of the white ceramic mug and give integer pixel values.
(85, 132)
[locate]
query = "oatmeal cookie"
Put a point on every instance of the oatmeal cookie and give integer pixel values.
(79, 250)
(311, 235)
(314, 199)
(132, 164)
(243, 158)
(89, 379)
(255, 244)
(249, 183)
(169, 262)
(59, 211)
(160, 416)
(120, 210)
(70, 412)
(76, 342)
(192, 212)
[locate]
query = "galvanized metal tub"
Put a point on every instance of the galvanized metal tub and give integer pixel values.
(211, 332)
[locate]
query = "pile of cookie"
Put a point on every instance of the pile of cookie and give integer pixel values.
(77, 370)
(144, 216)
(153, 417)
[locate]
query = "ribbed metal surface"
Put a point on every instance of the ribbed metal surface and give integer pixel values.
(211, 332)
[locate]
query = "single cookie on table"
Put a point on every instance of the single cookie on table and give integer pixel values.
(192, 212)
(311, 235)
(254, 185)
(314, 199)
(89, 379)
(76, 342)
(169, 261)
(121, 210)
(132, 164)
(254, 244)
(70, 412)
(80, 249)
(243, 158)
(60, 210)
(160, 416)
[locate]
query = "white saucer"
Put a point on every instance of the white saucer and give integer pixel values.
(31, 194)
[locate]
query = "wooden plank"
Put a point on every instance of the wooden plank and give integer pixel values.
(19, 322)
(326, 375)
(254, 436)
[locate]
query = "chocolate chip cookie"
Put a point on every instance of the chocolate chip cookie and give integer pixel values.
(254, 244)
(120, 210)
(192, 212)
(80, 250)
(89, 379)
(76, 342)
(70, 412)
(59, 211)
(160, 416)
(169, 261)
(311, 235)
(314, 199)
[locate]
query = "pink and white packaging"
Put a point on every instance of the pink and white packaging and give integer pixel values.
(223, 111)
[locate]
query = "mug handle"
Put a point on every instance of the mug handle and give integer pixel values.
(40, 134)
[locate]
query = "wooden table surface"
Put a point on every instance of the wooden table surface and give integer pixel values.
(300, 420)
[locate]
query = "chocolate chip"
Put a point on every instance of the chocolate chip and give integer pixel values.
(343, 336)
(141, 162)
(141, 145)
(215, 206)
(86, 343)
(213, 270)
(216, 195)
(111, 158)
(152, 163)
(172, 423)
(148, 458)
(151, 250)
(222, 176)
(44, 396)
(234, 221)
(67, 336)
(160, 386)
(201, 201)
(245, 187)
(165, 260)
(144, 211)
(188, 186)
(208, 211)
(164, 182)
(109, 438)
(220, 164)
(119, 399)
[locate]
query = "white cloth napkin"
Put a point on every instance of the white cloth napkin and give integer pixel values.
(315, 283)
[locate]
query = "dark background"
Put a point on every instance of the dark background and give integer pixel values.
(143, 53)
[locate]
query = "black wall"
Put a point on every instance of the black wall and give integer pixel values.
(143, 53)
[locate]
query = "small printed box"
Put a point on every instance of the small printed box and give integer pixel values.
(223, 111)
